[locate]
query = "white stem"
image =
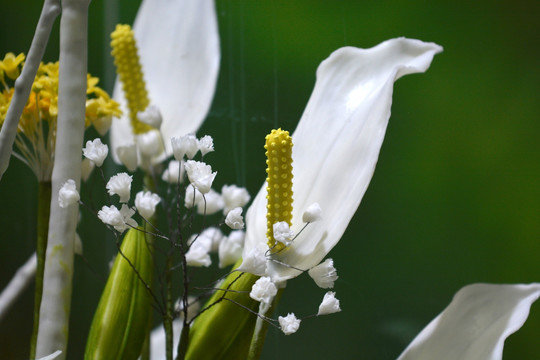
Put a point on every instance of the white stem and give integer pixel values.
(23, 84)
(57, 286)
(22, 278)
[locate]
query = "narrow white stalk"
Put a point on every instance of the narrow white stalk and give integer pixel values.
(23, 85)
(22, 278)
(57, 287)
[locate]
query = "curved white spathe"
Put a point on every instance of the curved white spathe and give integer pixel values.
(475, 324)
(178, 45)
(336, 145)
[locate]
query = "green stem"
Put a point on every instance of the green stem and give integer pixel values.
(44, 208)
(167, 319)
(261, 328)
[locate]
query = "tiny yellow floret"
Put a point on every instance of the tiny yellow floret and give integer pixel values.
(128, 67)
(279, 179)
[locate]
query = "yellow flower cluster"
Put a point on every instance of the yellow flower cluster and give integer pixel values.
(37, 126)
(279, 189)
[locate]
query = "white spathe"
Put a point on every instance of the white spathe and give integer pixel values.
(475, 324)
(178, 45)
(340, 132)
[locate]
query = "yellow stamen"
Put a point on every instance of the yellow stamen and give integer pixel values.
(279, 191)
(128, 66)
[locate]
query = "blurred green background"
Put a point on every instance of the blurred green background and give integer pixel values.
(455, 196)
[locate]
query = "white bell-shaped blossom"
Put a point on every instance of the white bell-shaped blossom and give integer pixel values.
(211, 203)
(263, 290)
(475, 324)
(127, 155)
(150, 144)
(96, 151)
(234, 197)
(230, 248)
(120, 219)
(234, 219)
(324, 274)
(68, 194)
(120, 184)
(198, 255)
(86, 169)
(200, 175)
(254, 262)
(347, 114)
(193, 197)
(174, 172)
(283, 233)
(187, 145)
(329, 304)
(206, 144)
(289, 324)
(313, 213)
(145, 202)
(213, 236)
(182, 83)
(151, 116)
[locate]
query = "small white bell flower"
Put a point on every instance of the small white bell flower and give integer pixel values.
(68, 194)
(193, 197)
(324, 274)
(120, 184)
(329, 305)
(210, 204)
(151, 116)
(184, 145)
(128, 156)
(86, 169)
(174, 172)
(313, 213)
(263, 290)
(254, 262)
(150, 144)
(234, 219)
(119, 219)
(198, 256)
(200, 175)
(96, 151)
(230, 248)
(146, 202)
(289, 324)
(206, 144)
(234, 197)
(283, 233)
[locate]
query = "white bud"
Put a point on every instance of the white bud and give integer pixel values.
(150, 116)
(329, 305)
(200, 175)
(263, 290)
(96, 151)
(120, 184)
(206, 144)
(197, 255)
(324, 274)
(86, 169)
(254, 262)
(234, 197)
(184, 145)
(146, 202)
(230, 248)
(234, 219)
(68, 194)
(313, 213)
(289, 324)
(283, 233)
(128, 156)
(174, 172)
(150, 144)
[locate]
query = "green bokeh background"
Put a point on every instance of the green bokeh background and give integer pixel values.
(454, 199)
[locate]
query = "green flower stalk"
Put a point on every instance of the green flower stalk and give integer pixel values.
(121, 321)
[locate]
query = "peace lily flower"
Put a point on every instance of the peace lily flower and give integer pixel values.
(178, 46)
(475, 324)
(336, 146)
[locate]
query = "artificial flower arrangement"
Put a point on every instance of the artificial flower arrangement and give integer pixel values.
(316, 178)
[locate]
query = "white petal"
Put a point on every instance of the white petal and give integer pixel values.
(475, 324)
(341, 131)
(178, 46)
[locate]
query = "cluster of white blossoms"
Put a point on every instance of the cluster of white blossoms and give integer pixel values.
(257, 262)
(212, 240)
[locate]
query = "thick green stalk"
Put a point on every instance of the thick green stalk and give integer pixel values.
(44, 201)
